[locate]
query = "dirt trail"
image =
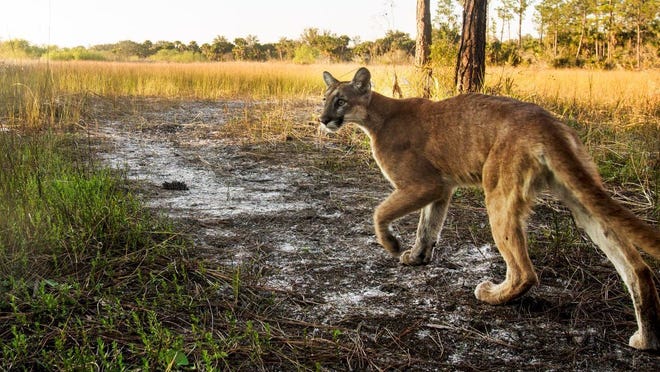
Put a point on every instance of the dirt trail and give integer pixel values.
(309, 231)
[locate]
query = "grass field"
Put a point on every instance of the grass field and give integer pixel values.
(83, 263)
(285, 80)
(38, 93)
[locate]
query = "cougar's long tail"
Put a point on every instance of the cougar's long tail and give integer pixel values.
(576, 174)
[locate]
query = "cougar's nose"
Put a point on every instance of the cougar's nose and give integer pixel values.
(324, 119)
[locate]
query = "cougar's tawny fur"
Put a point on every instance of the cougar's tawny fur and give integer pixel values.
(513, 150)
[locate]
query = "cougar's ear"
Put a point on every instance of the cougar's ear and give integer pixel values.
(329, 79)
(362, 80)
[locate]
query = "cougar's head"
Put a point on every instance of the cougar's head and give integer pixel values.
(345, 101)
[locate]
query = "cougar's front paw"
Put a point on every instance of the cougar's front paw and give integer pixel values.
(409, 258)
(391, 245)
(487, 292)
(497, 294)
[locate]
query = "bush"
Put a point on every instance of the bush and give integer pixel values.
(75, 54)
(306, 54)
(171, 55)
(444, 52)
(506, 53)
(19, 49)
(566, 62)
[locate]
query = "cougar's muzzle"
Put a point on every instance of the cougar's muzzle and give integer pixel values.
(331, 124)
(333, 113)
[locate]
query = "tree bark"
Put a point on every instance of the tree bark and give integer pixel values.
(423, 46)
(471, 63)
(582, 29)
(610, 32)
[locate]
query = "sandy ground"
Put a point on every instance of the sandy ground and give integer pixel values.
(300, 214)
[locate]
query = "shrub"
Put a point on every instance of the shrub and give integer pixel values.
(306, 54)
(171, 55)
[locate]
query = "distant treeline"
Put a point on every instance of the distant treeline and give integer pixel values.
(573, 33)
(312, 46)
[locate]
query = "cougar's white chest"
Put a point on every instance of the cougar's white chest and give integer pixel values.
(374, 155)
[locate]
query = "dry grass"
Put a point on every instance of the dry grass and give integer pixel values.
(636, 92)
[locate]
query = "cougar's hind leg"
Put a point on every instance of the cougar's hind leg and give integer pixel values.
(632, 269)
(510, 187)
(431, 220)
(507, 213)
(398, 204)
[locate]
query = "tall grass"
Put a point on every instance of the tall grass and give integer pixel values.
(167, 80)
(634, 91)
(29, 98)
(56, 204)
(68, 233)
(617, 92)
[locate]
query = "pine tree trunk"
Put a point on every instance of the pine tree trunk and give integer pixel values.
(471, 63)
(423, 46)
(579, 47)
(610, 33)
(584, 22)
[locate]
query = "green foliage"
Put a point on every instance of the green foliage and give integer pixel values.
(19, 49)
(395, 41)
(306, 54)
(444, 47)
(620, 32)
(506, 53)
(564, 62)
(76, 54)
(365, 51)
(219, 50)
(68, 230)
(330, 46)
(249, 49)
(52, 206)
(169, 55)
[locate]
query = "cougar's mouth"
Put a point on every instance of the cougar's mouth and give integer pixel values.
(333, 125)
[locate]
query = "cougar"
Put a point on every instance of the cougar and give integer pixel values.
(511, 149)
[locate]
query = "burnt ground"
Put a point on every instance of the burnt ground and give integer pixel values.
(295, 210)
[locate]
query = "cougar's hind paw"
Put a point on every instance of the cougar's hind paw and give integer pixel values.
(640, 343)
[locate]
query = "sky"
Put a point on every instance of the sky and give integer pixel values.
(69, 23)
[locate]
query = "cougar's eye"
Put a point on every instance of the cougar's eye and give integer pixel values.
(341, 102)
